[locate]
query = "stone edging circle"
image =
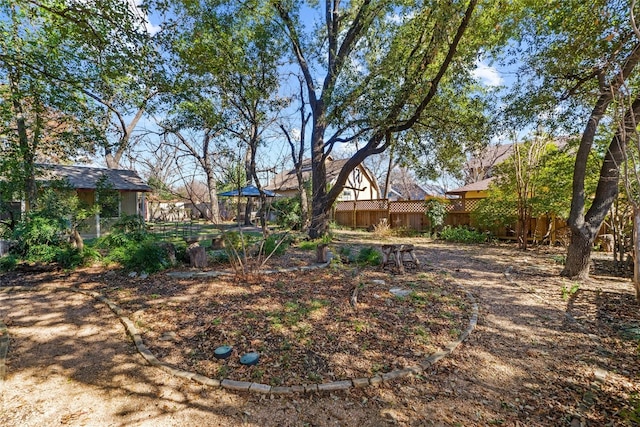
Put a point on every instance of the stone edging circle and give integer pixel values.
(4, 348)
(244, 385)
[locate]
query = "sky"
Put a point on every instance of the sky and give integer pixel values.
(487, 74)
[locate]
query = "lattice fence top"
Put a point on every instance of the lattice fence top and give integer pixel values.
(471, 204)
(362, 205)
(407, 206)
(403, 206)
(455, 205)
(462, 205)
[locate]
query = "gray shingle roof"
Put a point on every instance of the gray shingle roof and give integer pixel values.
(474, 186)
(86, 178)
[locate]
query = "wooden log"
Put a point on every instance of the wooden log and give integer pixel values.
(387, 257)
(408, 249)
(398, 256)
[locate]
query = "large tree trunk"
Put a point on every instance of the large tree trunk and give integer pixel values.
(319, 210)
(27, 152)
(320, 207)
(636, 251)
(584, 229)
(578, 256)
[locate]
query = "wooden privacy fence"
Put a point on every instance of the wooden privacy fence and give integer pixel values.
(398, 213)
(367, 213)
(410, 214)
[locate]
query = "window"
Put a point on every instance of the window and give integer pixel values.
(107, 198)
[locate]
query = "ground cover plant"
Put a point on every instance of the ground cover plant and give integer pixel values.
(462, 235)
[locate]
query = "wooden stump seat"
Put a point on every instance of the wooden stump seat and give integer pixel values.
(396, 254)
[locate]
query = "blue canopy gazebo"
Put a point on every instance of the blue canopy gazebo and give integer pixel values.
(248, 191)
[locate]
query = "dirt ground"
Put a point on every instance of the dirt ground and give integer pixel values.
(546, 351)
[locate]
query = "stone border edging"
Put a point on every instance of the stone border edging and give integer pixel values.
(4, 348)
(233, 385)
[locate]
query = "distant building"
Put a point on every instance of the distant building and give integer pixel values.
(85, 180)
(361, 184)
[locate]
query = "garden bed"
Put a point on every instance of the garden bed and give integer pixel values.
(302, 324)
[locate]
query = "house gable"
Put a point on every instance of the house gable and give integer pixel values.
(361, 181)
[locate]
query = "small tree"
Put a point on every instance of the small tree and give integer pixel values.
(52, 229)
(436, 212)
(535, 181)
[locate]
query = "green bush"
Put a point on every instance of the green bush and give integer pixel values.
(436, 212)
(308, 245)
(270, 245)
(129, 228)
(42, 253)
(8, 262)
(369, 256)
(220, 256)
(311, 245)
(462, 235)
(36, 235)
(147, 256)
(69, 257)
(345, 254)
(288, 212)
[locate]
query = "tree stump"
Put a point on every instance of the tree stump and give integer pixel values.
(197, 256)
(321, 253)
(217, 242)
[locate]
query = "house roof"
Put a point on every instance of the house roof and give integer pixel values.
(474, 186)
(86, 178)
(413, 191)
(490, 157)
(286, 181)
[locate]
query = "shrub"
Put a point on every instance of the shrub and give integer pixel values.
(345, 254)
(147, 256)
(271, 245)
(308, 245)
(129, 228)
(36, 234)
(462, 235)
(382, 229)
(69, 257)
(436, 212)
(219, 255)
(42, 253)
(369, 256)
(8, 262)
(288, 212)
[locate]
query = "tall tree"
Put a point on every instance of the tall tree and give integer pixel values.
(230, 61)
(577, 57)
(377, 67)
(298, 149)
